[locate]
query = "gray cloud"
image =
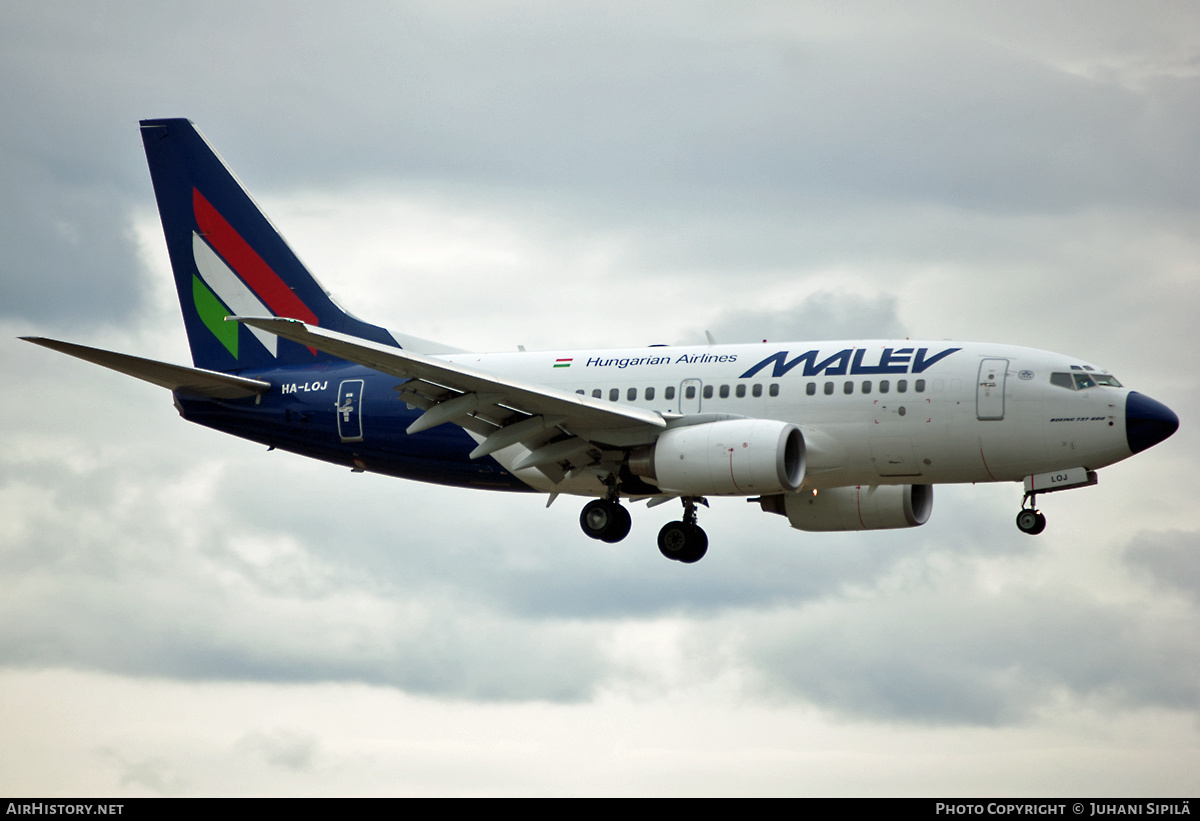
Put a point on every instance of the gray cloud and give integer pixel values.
(799, 122)
(773, 171)
(820, 316)
(1169, 558)
(967, 657)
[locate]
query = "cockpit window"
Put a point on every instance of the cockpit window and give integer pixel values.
(1082, 381)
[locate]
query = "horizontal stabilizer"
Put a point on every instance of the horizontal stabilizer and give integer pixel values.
(172, 377)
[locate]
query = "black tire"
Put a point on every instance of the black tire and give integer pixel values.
(697, 545)
(672, 540)
(605, 520)
(596, 517)
(1041, 524)
(682, 542)
(1031, 521)
(618, 527)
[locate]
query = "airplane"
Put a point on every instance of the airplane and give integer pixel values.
(832, 435)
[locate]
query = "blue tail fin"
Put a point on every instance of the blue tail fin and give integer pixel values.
(229, 260)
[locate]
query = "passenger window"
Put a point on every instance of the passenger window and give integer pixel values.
(690, 393)
(848, 388)
(724, 391)
(740, 390)
(811, 388)
(649, 394)
(669, 393)
(774, 391)
(631, 395)
(919, 387)
(757, 390)
(866, 388)
(614, 394)
(580, 392)
(596, 393)
(902, 386)
(708, 391)
(829, 389)
(883, 386)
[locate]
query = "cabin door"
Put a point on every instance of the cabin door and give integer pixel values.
(989, 391)
(349, 410)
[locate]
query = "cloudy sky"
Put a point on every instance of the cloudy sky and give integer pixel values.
(183, 613)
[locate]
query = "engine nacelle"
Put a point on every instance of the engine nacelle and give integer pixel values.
(867, 507)
(734, 457)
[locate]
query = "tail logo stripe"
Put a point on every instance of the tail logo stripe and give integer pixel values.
(249, 265)
(212, 314)
(232, 291)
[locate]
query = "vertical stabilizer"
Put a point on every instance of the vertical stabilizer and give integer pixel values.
(228, 259)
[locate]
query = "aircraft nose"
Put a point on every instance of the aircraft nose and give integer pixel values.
(1147, 422)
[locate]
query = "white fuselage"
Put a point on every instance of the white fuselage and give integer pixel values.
(871, 411)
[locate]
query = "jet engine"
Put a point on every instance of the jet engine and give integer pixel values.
(732, 457)
(866, 507)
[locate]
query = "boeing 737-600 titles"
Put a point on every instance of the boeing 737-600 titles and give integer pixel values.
(842, 435)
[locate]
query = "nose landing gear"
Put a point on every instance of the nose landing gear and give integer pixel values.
(1031, 521)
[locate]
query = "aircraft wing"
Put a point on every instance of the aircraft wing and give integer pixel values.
(173, 377)
(553, 425)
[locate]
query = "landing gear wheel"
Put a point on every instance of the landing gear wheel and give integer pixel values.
(682, 542)
(619, 528)
(672, 539)
(605, 520)
(697, 546)
(1031, 521)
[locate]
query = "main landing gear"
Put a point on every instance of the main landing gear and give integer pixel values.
(606, 520)
(683, 541)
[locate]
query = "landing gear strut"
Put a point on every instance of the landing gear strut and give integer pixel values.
(606, 520)
(684, 541)
(1030, 520)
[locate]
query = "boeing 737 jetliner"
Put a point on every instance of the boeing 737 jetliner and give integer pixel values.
(844, 435)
